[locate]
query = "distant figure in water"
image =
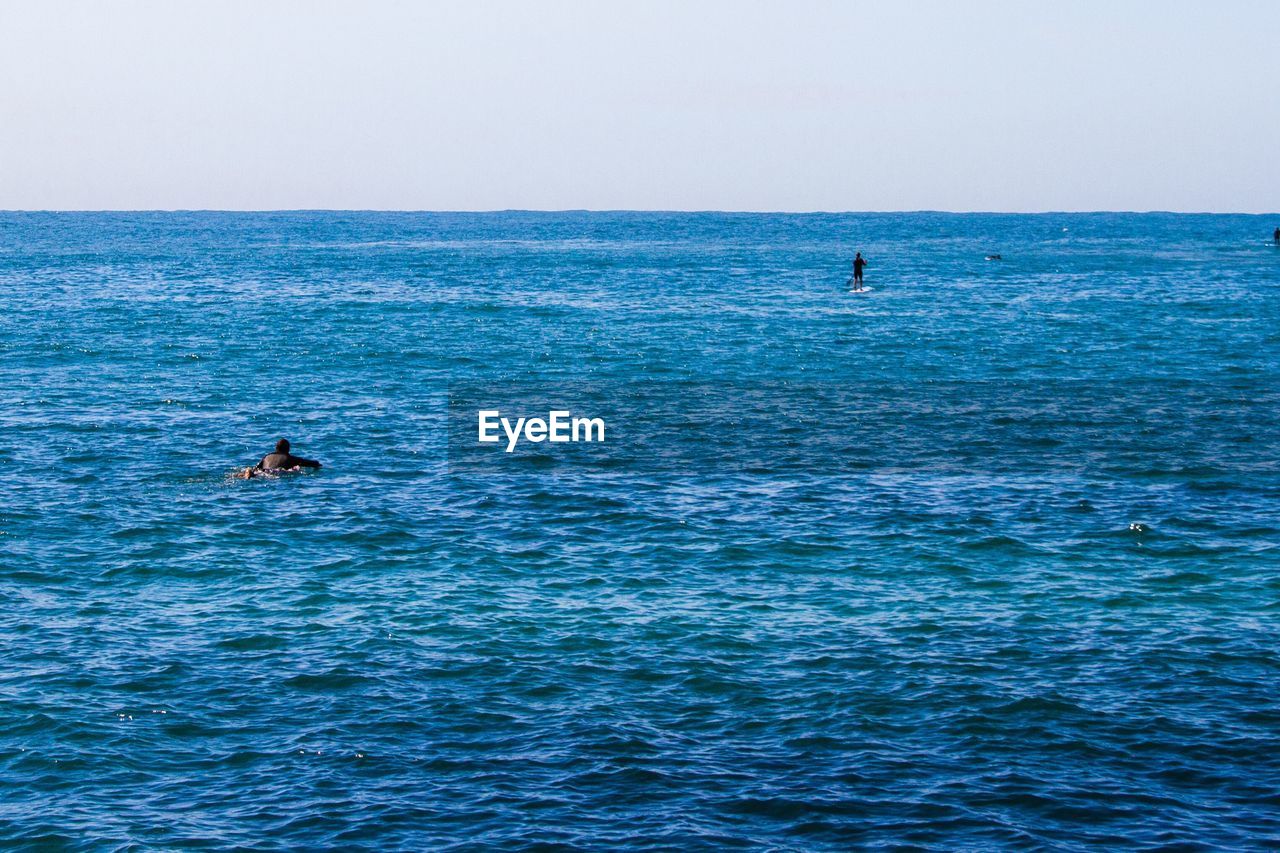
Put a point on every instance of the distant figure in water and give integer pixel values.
(281, 460)
(1276, 236)
(858, 263)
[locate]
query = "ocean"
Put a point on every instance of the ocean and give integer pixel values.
(985, 558)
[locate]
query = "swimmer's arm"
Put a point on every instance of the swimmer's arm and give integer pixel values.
(305, 463)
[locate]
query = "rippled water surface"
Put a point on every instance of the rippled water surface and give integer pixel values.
(1006, 621)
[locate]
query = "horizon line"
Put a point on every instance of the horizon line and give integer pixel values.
(654, 210)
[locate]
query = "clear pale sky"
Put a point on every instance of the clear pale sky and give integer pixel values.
(646, 104)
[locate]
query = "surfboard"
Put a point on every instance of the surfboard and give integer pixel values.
(863, 290)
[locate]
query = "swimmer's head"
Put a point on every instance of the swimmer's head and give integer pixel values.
(282, 446)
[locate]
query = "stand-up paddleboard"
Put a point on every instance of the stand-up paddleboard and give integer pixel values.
(863, 290)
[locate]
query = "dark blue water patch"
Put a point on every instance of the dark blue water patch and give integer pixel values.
(1153, 429)
(1030, 605)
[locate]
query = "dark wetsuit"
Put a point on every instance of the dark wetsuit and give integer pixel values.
(858, 264)
(283, 462)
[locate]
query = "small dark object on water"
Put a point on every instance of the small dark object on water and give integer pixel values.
(280, 460)
(994, 258)
(858, 263)
(1139, 527)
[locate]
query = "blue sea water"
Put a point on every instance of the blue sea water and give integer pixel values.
(974, 619)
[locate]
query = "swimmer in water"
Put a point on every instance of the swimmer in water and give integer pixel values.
(280, 460)
(1276, 236)
(858, 263)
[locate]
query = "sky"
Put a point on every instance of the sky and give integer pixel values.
(646, 104)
